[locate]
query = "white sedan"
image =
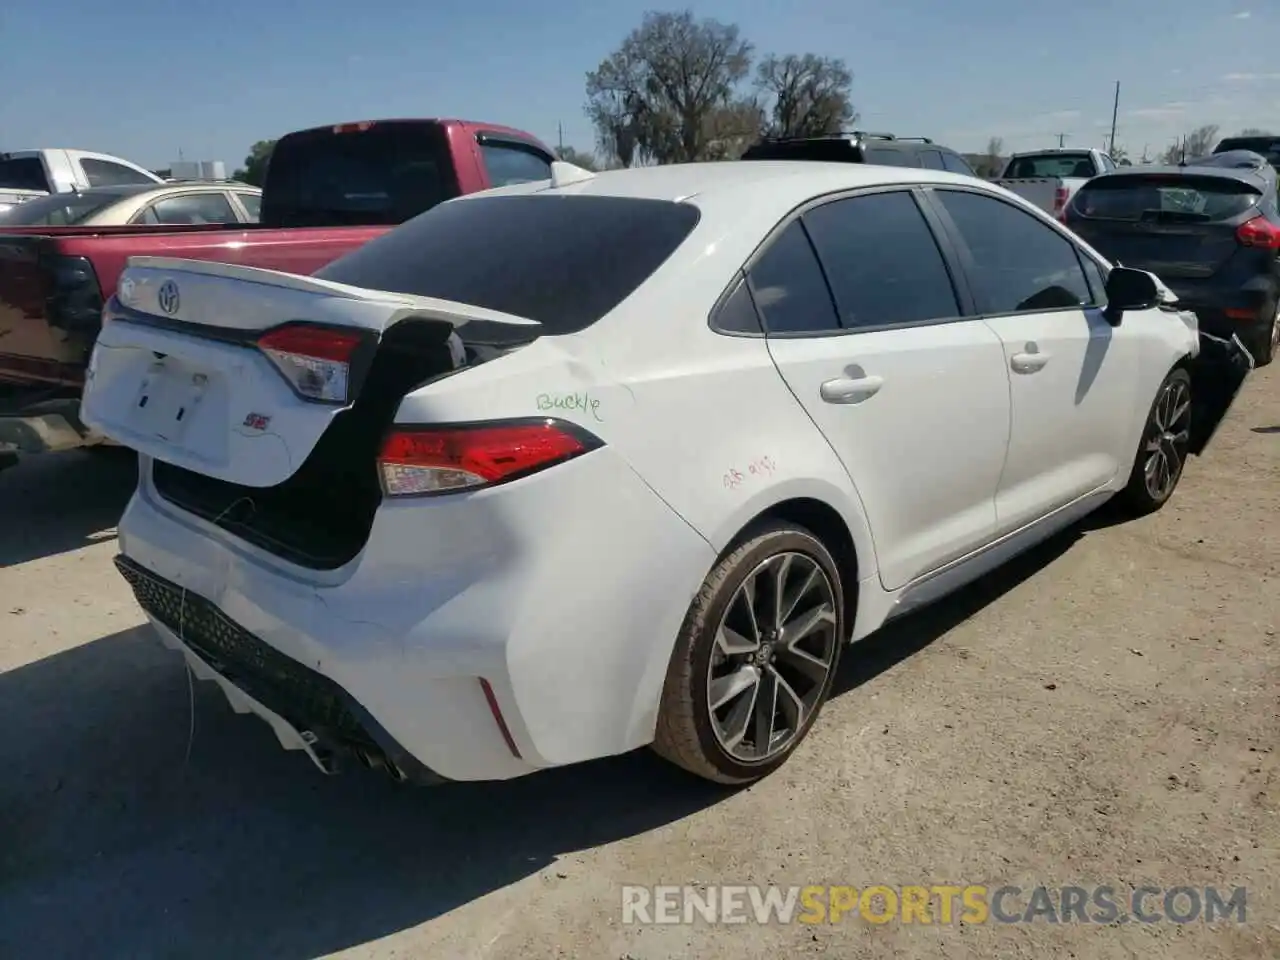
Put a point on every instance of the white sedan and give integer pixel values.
(560, 470)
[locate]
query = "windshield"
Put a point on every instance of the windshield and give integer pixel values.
(380, 173)
(564, 261)
(1164, 197)
(1052, 165)
(60, 209)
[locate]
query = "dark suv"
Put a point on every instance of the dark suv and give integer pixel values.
(1268, 145)
(859, 146)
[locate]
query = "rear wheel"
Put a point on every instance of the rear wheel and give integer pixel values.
(1162, 453)
(755, 658)
(1264, 345)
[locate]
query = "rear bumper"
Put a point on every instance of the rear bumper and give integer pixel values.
(1218, 372)
(566, 603)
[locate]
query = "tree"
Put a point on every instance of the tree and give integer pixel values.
(579, 158)
(1197, 143)
(806, 95)
(665, 92)
(989, 163)
(255, 164)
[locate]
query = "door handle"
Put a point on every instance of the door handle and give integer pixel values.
(1028, 362)
(850, 389)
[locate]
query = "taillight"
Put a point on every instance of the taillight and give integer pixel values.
(73, 298)
(1060, 204)
(416, 461)
(315, 360)
(1259, 232)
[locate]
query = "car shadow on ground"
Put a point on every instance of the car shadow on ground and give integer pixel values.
(58, 502)
(126, 837)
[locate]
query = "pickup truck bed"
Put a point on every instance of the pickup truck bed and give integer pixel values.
(328, 191)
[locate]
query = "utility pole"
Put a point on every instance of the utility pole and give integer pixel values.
(1061, 139)
(1115, 109)
(560, 134)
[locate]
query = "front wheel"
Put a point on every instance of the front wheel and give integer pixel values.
(755, 658)
(1265, 343)
(1162, 453)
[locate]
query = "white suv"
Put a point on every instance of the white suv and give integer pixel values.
(560, 470)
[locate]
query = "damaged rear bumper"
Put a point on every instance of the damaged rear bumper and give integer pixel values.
(1218, 372)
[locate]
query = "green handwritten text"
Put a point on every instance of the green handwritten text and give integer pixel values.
(571, 402)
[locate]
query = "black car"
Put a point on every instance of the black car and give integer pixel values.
(1211, 232)
(1268, 145)
(861, 147)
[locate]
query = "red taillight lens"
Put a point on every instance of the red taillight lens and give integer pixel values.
(1259, 232)
(315, 360)
(424, 460)
(1060, 204)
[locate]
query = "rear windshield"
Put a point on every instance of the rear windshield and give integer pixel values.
(1268, 146)
(832, 150)
(61, 209)
(1052, 165)
(1192, 198)
(386, 173)
(23, 173)
(564, 261)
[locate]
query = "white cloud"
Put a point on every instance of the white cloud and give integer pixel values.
(1166, 111)
(1251, 77)
(1242, 15)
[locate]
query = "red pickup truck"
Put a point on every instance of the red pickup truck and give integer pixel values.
(328, 190)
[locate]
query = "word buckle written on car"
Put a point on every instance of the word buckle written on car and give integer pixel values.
(933, 904)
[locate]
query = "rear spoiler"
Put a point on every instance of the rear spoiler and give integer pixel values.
(482, 323)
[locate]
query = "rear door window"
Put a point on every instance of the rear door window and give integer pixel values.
(932, 159)
(23, 173)
(889, 157)
(788, 286)
(564, 261)
(1165, 198)
(509, 163)
(956, 164)
(380, 173)
(252, 204)
(104, 173)
(882, 260)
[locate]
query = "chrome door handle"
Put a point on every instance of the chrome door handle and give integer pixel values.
(850, 389)
(1028, 362)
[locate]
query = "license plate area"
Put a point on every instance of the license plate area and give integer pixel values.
(167, 399)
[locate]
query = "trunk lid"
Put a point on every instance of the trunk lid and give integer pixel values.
(1178, 226)
(181, 371)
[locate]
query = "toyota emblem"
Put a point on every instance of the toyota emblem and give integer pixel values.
(167, 297)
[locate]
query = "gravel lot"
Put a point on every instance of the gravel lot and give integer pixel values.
(1103, 712)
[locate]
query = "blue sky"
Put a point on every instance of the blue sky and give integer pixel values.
(145, 78)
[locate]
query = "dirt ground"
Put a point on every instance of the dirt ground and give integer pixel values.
(1104, 712)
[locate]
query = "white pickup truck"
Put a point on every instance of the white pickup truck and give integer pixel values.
(27, 174)
(1049, 178)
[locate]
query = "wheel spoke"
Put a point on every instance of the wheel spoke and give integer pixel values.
(748, 595)
(789, 702)
(805, 663)
(724, 689)
(1179, 413)
(790, 606)
(739, 719)
(732, 643)
(781, 568)
(766, 706)
(805, 624)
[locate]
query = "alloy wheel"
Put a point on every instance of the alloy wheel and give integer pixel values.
(774, 651)
(1168, 438)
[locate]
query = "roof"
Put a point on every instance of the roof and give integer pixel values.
(776, 183)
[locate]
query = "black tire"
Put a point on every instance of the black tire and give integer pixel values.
(1263, 345)
(1140, 496)
(685, 733)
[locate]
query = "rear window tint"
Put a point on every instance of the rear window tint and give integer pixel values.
(23, 173)
(385, 174)
(564, 261)
(829, 149)
(1052, 165)
(1156, 197)
(888, 157)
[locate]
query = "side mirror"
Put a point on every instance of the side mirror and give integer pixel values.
(1129, 289)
